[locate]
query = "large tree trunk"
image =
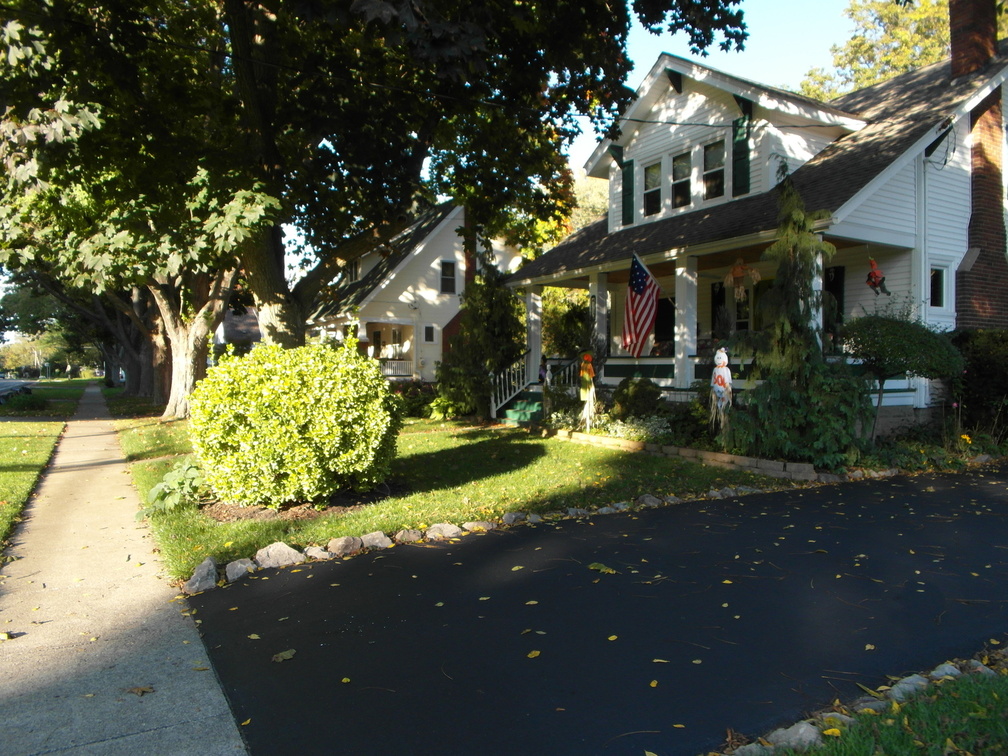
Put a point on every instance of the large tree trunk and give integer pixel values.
(189, 336)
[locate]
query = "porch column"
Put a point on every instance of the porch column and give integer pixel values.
(598, 291)
(817, 297)
(533, 319)
(686, 320)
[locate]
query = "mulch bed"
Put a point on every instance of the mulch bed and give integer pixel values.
(342, 502)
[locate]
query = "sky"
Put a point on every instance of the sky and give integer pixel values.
(786, 39)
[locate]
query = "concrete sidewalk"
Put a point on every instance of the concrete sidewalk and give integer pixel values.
(102, 661)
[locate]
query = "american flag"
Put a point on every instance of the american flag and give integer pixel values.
(641, 306)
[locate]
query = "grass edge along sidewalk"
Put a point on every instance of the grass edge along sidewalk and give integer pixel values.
(28, 439)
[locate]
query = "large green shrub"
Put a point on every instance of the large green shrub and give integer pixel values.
(981, 390)
(822, 419)
(283, 425)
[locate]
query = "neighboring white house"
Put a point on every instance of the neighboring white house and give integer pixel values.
(908, 172)
(404, 297)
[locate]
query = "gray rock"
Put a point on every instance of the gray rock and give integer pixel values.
(748, 490)
(649, 500)
(855, 475)
(752, 749)
(376, 540)
(203, 579)
(799, 737)
(606, 510)
(980, 668)
(440, 530)
(945, 670)
(713, 494)
(278, 554)
(481, 525)
(835, 719)
(577, 512)
(980, 459)
(728, 493)
(344, 546)
(534, 519)
(317, 552)
(672, 500)
(621, 506)
(907, 688)
(510, 518)
(407, 536)
(873, 704)
(238, 569)
(829, 478)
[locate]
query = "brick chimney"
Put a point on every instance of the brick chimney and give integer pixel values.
(973, 27)
(982, 278)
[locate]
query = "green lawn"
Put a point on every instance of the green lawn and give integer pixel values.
(61, 399)
(444, 472)
(25, 448)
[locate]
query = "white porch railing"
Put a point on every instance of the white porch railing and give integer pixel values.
(397, 368)
(509, 383)
(563, 376)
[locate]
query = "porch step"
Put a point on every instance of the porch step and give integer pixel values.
(524, 409)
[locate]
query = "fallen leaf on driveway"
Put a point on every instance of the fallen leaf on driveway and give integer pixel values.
(140, 690)
(599, 567)
(284, 655)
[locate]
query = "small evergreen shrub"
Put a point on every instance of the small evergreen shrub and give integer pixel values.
(636, 397)
(416, 397)
(284, 425)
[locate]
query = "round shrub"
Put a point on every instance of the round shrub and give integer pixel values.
(284, 425)
(636, 397)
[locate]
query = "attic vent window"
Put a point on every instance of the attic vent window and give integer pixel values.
(713, 166)
(652, 189)
(353, 270)
(682, 167)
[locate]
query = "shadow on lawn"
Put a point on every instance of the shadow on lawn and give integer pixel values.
(493, 454)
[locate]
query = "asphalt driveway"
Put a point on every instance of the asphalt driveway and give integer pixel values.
(653, 630)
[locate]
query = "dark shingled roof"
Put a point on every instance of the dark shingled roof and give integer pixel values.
(345, 295)
(898, 112)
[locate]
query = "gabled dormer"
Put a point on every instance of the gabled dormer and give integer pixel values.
(696, 138)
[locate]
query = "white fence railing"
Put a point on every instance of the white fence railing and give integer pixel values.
(509, 383)
(396, 368)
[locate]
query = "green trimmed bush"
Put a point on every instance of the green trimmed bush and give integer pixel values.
(636, 397)
(291, 425)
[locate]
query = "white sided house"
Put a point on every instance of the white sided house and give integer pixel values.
(908, 173)
(403, 298)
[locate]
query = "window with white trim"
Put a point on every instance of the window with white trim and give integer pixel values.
(448, 277)
(714, 170)
(429, 334)
(939, 292)
(682, 169)
(652, 189)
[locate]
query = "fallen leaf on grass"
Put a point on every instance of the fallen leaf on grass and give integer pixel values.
(832, 732)
(140, 690)
(284, 655)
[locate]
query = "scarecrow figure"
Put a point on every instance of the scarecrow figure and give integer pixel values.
(736, 278)
(876, 279)
(721, 389)
(587, 390)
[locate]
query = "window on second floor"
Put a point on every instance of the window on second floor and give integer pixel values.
(714, 170)
(682, 193)
(353, 270)
(447, 276)
(652, 189)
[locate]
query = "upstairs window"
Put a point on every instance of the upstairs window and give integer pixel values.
(714, 170)
(353, 270)
(652, 189)
(937, 287)
(682, 167)
(447, 276)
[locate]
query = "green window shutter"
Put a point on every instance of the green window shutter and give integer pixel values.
(628, 193)
(741, 130)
